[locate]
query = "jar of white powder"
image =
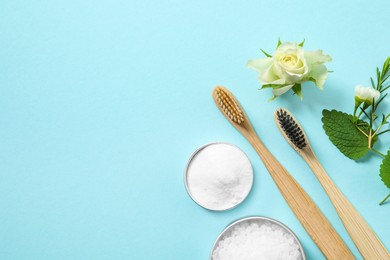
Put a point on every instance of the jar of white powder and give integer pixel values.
(218, 176)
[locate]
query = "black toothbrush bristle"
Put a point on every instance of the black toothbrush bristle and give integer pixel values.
(291, 129)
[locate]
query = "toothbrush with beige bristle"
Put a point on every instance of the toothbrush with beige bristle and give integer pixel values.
(310, 216)
(362, 235)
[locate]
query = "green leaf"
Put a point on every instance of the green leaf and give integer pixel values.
(297, 88)
(275, 86)
(345, 135)
(312, 80)
(384, 173)
(266, 54)
(279, 43)
(302, 43)
(268, 86)
(372, 82)
(385, 170)
(272, 99)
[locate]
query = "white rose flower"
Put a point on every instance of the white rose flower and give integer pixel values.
(290, 66)
(366, 95)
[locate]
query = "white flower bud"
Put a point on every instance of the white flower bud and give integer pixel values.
(366, 95)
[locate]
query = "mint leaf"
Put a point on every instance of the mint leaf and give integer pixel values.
(302, 43)
(344, 134)
(385, 170)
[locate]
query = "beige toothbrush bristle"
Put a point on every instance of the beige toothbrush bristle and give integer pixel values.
(229, 106)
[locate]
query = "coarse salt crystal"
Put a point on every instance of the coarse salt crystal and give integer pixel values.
(257, 240)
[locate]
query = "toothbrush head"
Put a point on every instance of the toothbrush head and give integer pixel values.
(228, 105)
(290, 129)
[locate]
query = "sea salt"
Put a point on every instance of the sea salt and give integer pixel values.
(219, 176)
(254, 241)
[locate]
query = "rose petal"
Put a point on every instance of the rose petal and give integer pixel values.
(282, 90)
(269, 77)
(317, 57)
(318, 73)
(260, 65)
(294, 77)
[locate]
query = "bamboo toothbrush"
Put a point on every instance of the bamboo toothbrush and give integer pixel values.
(362, 235)
(310, 216)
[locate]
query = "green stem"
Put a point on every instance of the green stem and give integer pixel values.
(355, 119)
(377, 130)
(384, 200)
(359, 115)
(383, 132)
(376, 151)
(370, 136)
(362, 131)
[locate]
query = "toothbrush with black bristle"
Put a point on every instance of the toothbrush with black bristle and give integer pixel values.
(312, 219)
(362, 235)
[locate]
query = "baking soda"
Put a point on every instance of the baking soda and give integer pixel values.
(254, 241)
(219, 176)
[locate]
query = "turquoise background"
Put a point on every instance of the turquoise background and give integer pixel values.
(103, 102)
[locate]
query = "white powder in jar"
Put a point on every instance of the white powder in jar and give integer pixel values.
(254, 240)
(219, 176)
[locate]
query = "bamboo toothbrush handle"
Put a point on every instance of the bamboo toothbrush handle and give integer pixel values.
(310, 216)
(362, 235)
